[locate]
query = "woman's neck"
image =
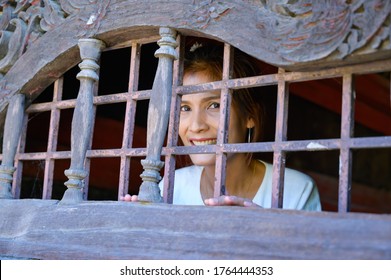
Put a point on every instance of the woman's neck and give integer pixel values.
(243, 177)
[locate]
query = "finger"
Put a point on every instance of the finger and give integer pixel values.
(211, 202)
(230, 200)
(224, 200)
(250, 204)
(234, 200)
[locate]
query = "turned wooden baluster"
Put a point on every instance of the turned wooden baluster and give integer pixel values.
(90, 50)
(158, 114)
(12, 130)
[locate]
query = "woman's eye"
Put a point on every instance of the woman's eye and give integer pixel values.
(185, 108)
(214, 105)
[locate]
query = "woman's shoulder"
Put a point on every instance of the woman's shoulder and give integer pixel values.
(291, 175)
(296, 175)
(188, 174)
(300, 191)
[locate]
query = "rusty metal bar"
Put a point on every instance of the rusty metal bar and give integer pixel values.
(131, 152)
(97, 100)
(288, 146)
(52, 140)
(173, 126)
(257, 81)
(222, 134)
(279, 154)
(347, 126)
(364, 68)
(130, 117)
(272, 79)
(302, 145)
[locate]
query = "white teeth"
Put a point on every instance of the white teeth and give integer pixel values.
(207, 142)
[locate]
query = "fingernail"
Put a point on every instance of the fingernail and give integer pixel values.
(247, 204)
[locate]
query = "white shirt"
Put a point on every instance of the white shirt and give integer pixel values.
(300, 191)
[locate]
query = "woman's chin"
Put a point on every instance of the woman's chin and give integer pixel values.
(203, 159)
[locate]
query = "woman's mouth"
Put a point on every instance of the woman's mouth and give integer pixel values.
(201, 142)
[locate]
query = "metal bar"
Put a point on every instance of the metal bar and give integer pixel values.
(264, 80)
(347, 125)
(279, 154)
(52, 140)
(257, 81)
(222, 134)
(272, 79)
(132, 152)
(97, 100)
(364, 68)
(130, 117)
(302, 145)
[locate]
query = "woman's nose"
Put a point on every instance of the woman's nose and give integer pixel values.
(197, 122)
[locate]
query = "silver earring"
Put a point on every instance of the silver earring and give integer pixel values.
(249, 135)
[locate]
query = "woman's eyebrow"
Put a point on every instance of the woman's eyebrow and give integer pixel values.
(211, 98)
(204, 99)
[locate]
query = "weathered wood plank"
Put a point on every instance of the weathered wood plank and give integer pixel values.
(43, 229)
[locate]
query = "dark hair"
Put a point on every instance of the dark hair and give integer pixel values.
(206, 57)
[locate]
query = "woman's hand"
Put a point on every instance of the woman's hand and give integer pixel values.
(230, 200)
(129, 198)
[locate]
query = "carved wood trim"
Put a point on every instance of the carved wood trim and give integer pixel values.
(279, 32)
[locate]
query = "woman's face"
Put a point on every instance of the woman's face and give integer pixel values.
(199, 119)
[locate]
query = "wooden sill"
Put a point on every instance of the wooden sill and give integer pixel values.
(43, 229)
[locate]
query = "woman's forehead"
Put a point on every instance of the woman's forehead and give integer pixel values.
(195, 78)
(199, 77)
(201, 96)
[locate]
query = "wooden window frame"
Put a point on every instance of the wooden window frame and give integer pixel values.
(33, 228)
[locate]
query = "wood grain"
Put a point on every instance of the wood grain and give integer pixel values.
(42, 229)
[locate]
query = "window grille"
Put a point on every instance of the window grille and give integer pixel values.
(345, 144)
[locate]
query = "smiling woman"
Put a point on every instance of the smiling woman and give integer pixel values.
(248, 181)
